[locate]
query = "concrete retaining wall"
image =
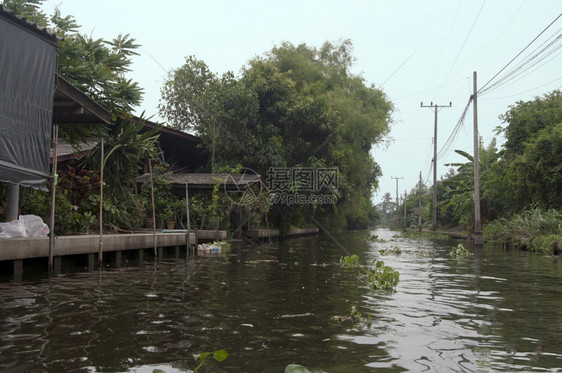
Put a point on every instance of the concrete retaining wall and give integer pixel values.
(25, 248)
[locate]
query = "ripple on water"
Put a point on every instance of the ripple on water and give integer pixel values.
(497, 313)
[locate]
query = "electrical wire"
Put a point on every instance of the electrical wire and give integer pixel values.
(455, 131)
(464, 43)
(430, 89)
(483, 88)
(395, 71)
(453, 22)
(530, 62)
(503, 32)
(522, 93)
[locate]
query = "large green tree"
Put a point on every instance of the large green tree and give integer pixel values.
(529, 171)
(296, 106)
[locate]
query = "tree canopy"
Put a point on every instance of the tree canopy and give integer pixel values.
(529, 171)
(295, 107)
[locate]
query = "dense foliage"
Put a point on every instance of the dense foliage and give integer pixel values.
(520, 183)
(537, 229)
(296, 107)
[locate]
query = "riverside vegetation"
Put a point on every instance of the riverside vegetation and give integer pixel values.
(535, 229)
(521, 203)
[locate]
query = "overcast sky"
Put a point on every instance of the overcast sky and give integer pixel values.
(413, 50)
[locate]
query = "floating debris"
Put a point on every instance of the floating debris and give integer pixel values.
(215, 247)
(293, 316)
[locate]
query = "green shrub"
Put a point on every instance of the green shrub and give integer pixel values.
(535, 228)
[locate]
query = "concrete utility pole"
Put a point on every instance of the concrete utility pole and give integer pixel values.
(435, 108)
(405, 198)
(397, 178)
(419, 205)
(478, 238)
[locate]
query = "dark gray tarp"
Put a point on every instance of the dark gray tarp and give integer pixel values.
(27, 76)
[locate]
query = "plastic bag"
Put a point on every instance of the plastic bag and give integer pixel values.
(13, 229)
(34, 226)
(25, 226)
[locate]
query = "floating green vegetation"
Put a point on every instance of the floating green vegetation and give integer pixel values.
(381, 276)
(378, 276)
(351, 261)
(354, 317)
(460, 251)
(424, 253)
(374, 238)
(424, 235)
(393, 251)
(218, 355)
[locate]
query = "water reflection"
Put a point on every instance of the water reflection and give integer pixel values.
(270, 306)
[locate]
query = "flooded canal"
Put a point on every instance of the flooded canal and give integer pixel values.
(270, 306)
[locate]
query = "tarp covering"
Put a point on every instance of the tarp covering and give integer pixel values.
(27, 76)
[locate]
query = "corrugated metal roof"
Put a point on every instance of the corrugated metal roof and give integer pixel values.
(65, 149)
(199, 179)
(212, 179)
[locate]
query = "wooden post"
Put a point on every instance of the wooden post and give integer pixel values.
(100, 243)
(153, 207)
(187, 206)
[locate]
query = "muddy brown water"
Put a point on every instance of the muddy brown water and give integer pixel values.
(274, 305)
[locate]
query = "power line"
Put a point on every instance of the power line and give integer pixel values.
(503, 32)
(464, 43)
(455, 131)
(431, 89)
(395, 71)
(158, 63)
(453, 21)
(522, 93)
(518, 54)
(534, 59)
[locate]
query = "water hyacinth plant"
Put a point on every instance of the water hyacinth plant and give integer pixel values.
(459, 251)
(377, 275)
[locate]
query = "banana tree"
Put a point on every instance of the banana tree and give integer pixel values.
(458, 196)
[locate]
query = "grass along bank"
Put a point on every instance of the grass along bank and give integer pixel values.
(535, 229)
